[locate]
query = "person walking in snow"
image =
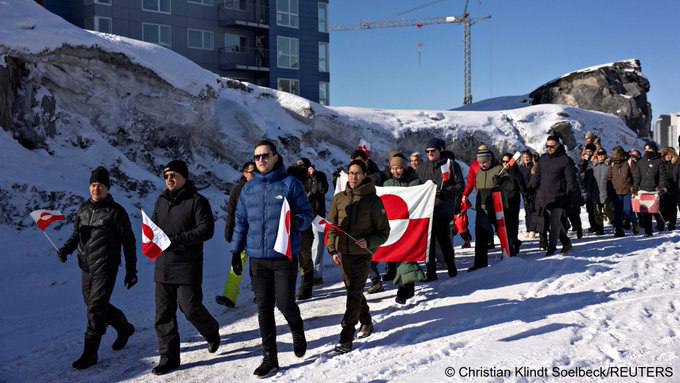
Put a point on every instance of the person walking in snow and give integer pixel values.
(359, 213)
(620, 184)
(529, 195)
(554, 181)
(186, 217)
(247, 174)
(311, 251)
(669, 199)
(258, 215)
(447, 197)
(595, 184)
(651, 180)
(101, 228)
(512, 193)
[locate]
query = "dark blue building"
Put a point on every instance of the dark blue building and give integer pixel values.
(282, 44)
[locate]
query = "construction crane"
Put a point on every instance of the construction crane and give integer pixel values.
(466, 20)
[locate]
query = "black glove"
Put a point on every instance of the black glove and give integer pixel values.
(62, 255)
(130, 280)
(236, 264)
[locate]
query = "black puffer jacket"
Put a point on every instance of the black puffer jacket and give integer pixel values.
(101, 228)
(649, 168)
(555, 180)
(231, 209)
(186, 217)
(447, 201)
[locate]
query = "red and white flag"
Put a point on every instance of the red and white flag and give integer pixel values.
(283, 243)
(446, 169)
(646, 202)
(513, 160)
(44, 218)
(341, 182)
(321, 225)
(409, 211)
(501, 227)
(154, 239)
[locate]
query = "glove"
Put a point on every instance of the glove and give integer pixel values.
(62, 255)
(236, 263)
(130, 280)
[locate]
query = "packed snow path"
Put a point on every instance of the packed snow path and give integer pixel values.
(611, 302)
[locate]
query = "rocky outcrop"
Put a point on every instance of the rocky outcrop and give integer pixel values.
(618, 88)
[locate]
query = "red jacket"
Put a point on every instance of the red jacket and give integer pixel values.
(471, 178)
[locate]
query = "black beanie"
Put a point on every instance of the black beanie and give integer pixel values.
(435, 143)
(100, 175)
(177, 166)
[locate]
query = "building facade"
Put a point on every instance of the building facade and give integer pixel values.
(667, 130)
(281, 44)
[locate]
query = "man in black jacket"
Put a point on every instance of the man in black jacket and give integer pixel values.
(650, 180)
(102, 226)
(186, 217)
(446, 202)
(554, 181)
(311, 251)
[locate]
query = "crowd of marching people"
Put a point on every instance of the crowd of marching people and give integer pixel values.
(552, 187)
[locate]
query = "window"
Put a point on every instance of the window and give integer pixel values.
(324, 93)
(199, 39)
(288, 55)
(323, 57)
(289, 85)
(323, 17)
(201, 2)
(287, 13)
(240, 5)
(103, 24)
(235, 43)
(103, 2)
(160, 6)
(157, 34)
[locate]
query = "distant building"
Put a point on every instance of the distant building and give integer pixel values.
(282, 44)
(667, 130)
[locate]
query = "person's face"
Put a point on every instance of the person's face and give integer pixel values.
(415, 162)
(397, 171)
(551, 146)
(649, 149)
(356, 176)
(265, 159)
(589, 140)
(249, 173)
(668, 157)
(98, 192)
(174, 180)
(601, 157)
(526, 158)
(505, 160)
(589, 153)
(484, 164)
(433, 154)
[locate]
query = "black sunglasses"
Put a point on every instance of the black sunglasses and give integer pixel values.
(431, 150)
(263, 156)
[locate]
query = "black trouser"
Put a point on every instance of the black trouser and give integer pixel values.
(511, 215)
(554, 216)
(97, 292)
(306, 262)
(483, 232)
(595, 219)
(574, 217)
(669, 209)
(274, 285)
(441, 234)
(530, 215)
(190, 300)
(354, 272)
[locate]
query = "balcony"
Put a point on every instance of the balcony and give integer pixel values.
(243, 13)
(237, 58)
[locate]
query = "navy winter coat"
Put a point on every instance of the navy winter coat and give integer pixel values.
(258, 211)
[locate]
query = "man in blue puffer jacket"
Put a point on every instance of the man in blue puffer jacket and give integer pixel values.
(273, 274)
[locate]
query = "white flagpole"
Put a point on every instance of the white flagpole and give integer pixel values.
(50, 239)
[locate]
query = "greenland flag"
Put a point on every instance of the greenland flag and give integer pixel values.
(409, 211)
(321, 225)
(44, 218)
(283, 243)
(446, 170)
(154, 240)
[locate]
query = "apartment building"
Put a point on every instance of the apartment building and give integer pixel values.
(282, 44)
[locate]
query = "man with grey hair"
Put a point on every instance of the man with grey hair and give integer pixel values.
(415, 160)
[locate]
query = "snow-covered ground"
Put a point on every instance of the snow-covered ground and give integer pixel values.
(610, 302)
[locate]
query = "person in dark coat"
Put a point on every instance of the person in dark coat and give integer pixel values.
(447, 202)
(669, 198)
(651, 180)
(101, 227)
(555, 181)
(186, 217)
(248, 173)
(512, 194)
(585, 168)
(311, 252)
(274, 273)
(529, 195)
(621, 186)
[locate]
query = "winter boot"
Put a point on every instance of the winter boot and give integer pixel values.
(365, 330)
(551, 251)
(618, 232)
(305, 291)
(89, 356)
(269, 366)
(166, 365)
(213, 343)
(376, 288)
(636, 228)
(123, 335)
(543, 242)
(224, 301)
(299, 342)
(343, 347)
(566, 247)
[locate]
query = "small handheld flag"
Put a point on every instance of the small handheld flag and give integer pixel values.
(154, 239)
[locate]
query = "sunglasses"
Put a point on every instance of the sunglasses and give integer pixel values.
(551, 146)
(262, 157)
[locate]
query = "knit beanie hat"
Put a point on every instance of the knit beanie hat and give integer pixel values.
(435, 143)
(177, 166)
(100, 175)
(484, 154)
(398, 161)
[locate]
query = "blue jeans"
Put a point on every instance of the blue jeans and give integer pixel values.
(622, 206)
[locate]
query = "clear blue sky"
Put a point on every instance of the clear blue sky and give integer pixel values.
(526, 43)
